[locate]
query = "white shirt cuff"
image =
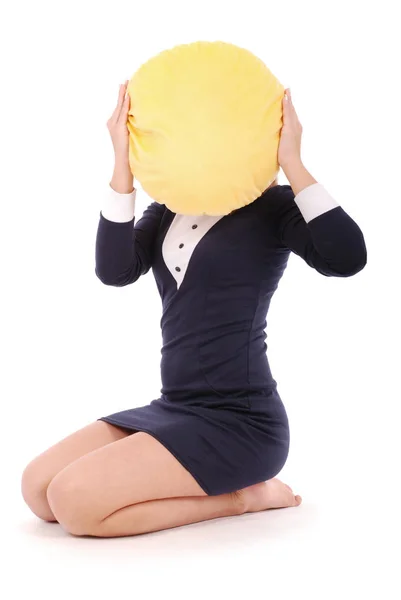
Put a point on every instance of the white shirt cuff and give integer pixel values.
(313, 201)
(117, 207)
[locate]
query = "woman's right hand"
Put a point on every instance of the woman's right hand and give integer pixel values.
(117, 124)
(122, 180)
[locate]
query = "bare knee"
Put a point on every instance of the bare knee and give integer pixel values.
(34, 485)
(68, 500)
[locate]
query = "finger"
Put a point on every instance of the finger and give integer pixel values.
(286, 99)
(120, 101)
(126, 96)
(293, 112)
(124, 109)
(289, 113)
(291, 104)
(286, 108)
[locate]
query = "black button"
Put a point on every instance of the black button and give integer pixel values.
(194, 226)
(177, 269)
(181, 246)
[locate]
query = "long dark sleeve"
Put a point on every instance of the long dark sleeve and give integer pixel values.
(331, 242)
(124, 250)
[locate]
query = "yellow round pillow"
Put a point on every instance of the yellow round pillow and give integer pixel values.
(204, 127)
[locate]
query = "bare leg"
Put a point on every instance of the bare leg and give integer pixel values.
(40, 471)
(156, 515)
(135, 485)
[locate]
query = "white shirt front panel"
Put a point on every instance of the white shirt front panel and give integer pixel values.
(184, 233)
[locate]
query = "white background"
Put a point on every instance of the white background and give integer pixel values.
(74, 350)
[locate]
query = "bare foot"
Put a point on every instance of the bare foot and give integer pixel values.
(268, 494)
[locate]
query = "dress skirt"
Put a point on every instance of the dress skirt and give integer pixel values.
(226, 444)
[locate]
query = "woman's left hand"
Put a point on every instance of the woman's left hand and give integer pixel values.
(289, 150)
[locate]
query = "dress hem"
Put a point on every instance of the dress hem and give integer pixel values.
(165, 444)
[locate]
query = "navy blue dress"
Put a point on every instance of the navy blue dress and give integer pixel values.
(219, 412)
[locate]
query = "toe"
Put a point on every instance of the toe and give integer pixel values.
(297, 500)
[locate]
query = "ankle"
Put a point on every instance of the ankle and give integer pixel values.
(238, 502)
